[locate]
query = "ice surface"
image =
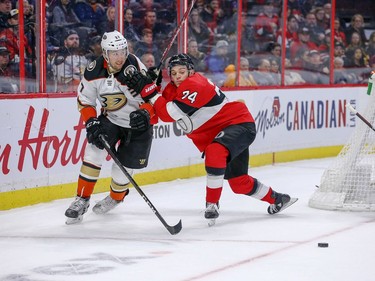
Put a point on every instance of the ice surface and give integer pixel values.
(246, 243)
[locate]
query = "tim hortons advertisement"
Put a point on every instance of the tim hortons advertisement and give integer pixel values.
(42, 140)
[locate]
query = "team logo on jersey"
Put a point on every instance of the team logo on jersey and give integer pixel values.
(113, 102)
(130, 69)
(91, 66)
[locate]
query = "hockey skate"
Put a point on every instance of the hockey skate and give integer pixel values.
(105, 205)
(76, 210)
(282, 201)
(211, 213)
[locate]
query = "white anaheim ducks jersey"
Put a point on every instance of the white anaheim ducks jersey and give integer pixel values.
(110, 89)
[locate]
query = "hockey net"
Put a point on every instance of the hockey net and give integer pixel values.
(349, 183)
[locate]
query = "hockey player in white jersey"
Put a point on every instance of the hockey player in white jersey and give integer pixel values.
(122, 119)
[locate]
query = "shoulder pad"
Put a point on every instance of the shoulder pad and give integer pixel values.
(95, 69)
(131, 65)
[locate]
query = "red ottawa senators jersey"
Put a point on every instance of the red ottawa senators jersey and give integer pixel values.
(200, 108)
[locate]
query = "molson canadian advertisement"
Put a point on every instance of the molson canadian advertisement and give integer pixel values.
(42, 140)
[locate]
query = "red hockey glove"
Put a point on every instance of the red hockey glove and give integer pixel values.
(141, 84)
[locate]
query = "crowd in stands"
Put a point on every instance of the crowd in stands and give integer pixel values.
(75, 27)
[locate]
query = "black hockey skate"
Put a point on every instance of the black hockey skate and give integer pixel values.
(212, 212)
(282, 201)
(76, 210)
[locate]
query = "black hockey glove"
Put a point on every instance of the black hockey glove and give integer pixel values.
(139, 120)
(141, 84)
(155, 74)
(94, 129)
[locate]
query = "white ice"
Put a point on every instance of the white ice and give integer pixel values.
(130, 243)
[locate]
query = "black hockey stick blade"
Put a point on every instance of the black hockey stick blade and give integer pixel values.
(172, 229)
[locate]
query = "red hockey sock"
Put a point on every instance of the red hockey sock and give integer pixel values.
(213, 194)
(268, 198)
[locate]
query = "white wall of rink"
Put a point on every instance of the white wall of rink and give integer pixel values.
(42, 140)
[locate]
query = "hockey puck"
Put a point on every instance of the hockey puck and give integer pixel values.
(323, 245)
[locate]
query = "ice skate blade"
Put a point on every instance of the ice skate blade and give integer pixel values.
(70, 221)
(211, 222)
(286, 205)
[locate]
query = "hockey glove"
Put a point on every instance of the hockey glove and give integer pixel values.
(141, 84)
(155, 74)
(94, 129)
(139, 120)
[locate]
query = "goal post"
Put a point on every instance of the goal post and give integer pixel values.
(349, 183)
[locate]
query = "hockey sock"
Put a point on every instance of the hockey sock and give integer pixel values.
(85, 187)
(215, 164)
(87, 179)
(252, 187)
(118, 191)
(243, 184)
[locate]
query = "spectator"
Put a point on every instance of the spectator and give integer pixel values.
(370, 50)
(274, 49)
(147, 45)
(372, 62)
(212, 15)
(159, 30)
(7, 82)
(5, 8)
(129, 28)
(339, 34)
(217, 61)
(291, 32)
(69, 64)
(354, 43)
(358, 58)
(339, 52)
(316, 72)
(95, 49)
(275, 70)
(262, 75)
(327, 7)
(292, 77)
(266, 25)
(356, 25)
(108, 22)
(199, 30)
(317, 32)
(10, 37)
(245, 79)
(148, 60)
(196, 56)
(90, 13)
(341, 75)
(303, 43)
(63, 19)
(321, 18)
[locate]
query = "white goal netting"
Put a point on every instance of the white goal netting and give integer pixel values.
(349, 184)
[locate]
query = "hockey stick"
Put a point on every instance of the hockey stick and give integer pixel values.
(174, 35)
(172, 229)
(351, 108)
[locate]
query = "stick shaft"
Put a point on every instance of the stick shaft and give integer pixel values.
(175, 33)
(351, 108)
(172, 229)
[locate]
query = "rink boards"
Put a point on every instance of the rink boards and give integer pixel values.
(42, 140)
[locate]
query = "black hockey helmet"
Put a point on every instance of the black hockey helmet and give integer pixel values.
(180, 59)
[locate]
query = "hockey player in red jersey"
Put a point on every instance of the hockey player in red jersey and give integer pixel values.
(221, 129)
(121, 120)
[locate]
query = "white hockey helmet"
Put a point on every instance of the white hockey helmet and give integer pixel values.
(113, 41)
